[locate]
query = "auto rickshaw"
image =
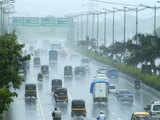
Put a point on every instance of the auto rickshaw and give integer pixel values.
(78, 108)
(40, 76)
(30, 90)
(61, 95)
(141, 116)
(68, 72)
(56, 83)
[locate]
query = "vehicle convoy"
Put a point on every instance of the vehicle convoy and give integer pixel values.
(112, 73)
(61, 95)
(137, 84)
(154, 109)
(124, 95)
(56, 83)
(100, 90)
(45, 69)
(53, 56)
(78, 108)
(30, 90)
(68, 72)
(79, 70)
(37, 61)
(141, 116)
(40, 77)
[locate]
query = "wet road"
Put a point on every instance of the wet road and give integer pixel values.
(41, 109)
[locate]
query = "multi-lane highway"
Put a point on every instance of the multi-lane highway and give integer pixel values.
(42, 108)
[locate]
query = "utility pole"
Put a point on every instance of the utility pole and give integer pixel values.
(124, 24)
(97, 30)
(105, 14)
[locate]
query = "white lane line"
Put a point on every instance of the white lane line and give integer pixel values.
(40, 105)
(41, 108)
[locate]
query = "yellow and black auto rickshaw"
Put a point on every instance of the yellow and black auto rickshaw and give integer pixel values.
(78, 108)
(30, 90)
(141, 116)
(61, 95)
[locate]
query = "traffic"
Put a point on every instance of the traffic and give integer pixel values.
(102, 88)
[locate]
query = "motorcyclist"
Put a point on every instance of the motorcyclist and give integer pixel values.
(101, 116)
(137, 83)
(56, 114)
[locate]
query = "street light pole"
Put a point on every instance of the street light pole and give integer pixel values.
(136, 25)
(105, 14)
(87, 27)
(124, 24)
(93, 22)
(97, 30)
(81, 27)
(113, 27)
(155, 17)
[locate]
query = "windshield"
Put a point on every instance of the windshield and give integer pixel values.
(156, 107)
(142, 117)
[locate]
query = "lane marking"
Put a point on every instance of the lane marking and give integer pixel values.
(39, 102)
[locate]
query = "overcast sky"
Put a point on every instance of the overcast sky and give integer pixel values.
(61, 7)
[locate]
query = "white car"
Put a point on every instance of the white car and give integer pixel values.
(101, 76)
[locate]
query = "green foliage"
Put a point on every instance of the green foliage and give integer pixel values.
(11, 60)
(5, 99)
(151, 80)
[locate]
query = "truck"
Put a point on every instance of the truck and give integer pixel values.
(100, 90)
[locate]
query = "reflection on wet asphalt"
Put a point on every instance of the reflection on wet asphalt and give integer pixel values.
(41, 108)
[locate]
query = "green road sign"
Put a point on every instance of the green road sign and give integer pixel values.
(41, 21)
(31, 21)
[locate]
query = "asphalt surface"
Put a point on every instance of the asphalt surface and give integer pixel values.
(78, 88)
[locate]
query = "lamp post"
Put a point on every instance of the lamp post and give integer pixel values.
(155, 15)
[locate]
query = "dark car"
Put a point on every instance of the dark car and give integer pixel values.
(80, 70)
(68, 72)
(56, 83)
(45, 69)
(61, 95)
(53, 56)
(78, 108)
(30, 90)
